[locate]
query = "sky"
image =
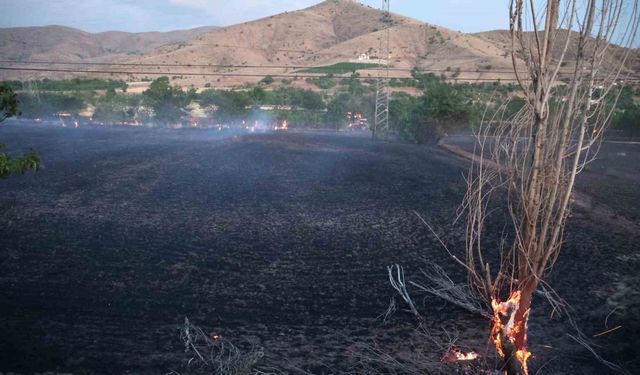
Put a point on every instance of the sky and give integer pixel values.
(166, 15)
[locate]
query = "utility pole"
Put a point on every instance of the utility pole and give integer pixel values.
(381, 122)
(32, 88)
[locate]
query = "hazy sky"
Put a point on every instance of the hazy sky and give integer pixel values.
(164, 15)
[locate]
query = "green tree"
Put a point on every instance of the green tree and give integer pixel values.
(425, 81)
(401, 120)
(441, 110)
(514, 106)
(168, 102)
(257, 95)
(627, 114)
(48, 104)
(337, 111)
(227, 106)
(8, 164)
(311, 100)
(8, 102)
(113, 108)
(267, 80)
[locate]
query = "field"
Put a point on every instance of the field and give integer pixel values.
(340, 68)
(278, 240)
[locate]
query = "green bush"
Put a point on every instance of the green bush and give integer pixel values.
(168, 102)
(267, 80)
(340, 68)
(8, 164)
(324, 83)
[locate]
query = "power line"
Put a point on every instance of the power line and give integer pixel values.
(152, 65)
(193, 74)
(295, 67)
(373, 67)
(303, 75)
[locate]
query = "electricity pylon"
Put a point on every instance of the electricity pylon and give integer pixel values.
(32, 88)
(381, 121)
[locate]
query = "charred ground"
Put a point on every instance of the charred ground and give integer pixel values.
(277, 239)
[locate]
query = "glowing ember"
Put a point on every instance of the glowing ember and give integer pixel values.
(504, 327)
(523, 356)
(455, 355)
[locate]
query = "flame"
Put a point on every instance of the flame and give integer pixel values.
(454, 355)
(508, 330)
(523, 356)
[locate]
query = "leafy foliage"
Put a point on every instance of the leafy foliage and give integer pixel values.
(114, 108)
(257, 95)
(340, 68)
(267, 80)
(324, 83)
(10, 165)
(167, 102)
(8, 102)
(353, 97)
(627, 114)
(401, 118)
(337, 109)
(233, 106)
(514, 106)
(442, 109)
(298, 98)
(47, 104)
(228, 106)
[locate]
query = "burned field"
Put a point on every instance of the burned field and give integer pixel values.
(280, 240)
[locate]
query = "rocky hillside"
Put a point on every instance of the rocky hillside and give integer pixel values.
(65, 44)
(330, 32)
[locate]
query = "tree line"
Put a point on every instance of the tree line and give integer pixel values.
(442, 107)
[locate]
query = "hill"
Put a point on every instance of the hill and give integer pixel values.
(331, 32)
(502, 39)
(65, 44)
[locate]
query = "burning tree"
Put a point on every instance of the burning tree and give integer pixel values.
(569, 61)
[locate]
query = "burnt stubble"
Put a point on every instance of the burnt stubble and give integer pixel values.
(281, 240)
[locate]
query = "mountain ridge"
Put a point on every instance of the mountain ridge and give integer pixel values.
(67, 44)
(326, 33)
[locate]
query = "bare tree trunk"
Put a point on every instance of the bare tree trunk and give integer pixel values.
(537, 154)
